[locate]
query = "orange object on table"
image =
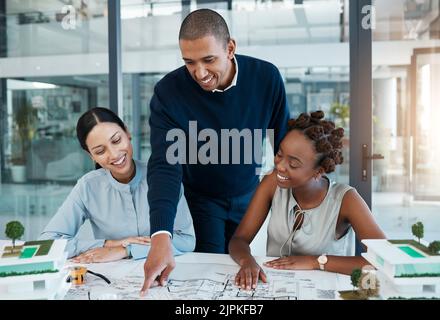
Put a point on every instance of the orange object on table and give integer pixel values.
(78, 275)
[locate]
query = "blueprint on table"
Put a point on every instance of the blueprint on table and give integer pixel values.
(205, 281)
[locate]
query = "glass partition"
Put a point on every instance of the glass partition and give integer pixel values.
(53, 67)
(406, 78)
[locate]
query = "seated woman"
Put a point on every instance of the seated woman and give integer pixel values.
(312, 220)
(113, 198)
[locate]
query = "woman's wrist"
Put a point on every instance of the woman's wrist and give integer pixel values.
(245, 260)
(107, 243)
(122, 252)
(315, 263)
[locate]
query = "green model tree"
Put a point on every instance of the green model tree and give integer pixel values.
(14, 230)
(434, 247)
(355, 276)
(418, 230)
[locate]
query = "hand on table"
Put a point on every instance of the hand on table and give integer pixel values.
(125, 242)
(248, 275)
(293, 263)
(101, 255)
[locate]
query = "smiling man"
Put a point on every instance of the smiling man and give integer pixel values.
(220, 91)
(208, 63)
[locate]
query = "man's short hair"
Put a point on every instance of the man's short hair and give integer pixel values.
(204, 22)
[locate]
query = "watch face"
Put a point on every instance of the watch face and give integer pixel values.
(322, 259)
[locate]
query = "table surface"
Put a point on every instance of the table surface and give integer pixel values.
(203, 276)
(206, 276)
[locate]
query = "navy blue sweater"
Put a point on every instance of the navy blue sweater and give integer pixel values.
(258, 101)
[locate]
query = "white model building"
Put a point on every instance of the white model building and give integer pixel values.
(35, 272)
(404, 271)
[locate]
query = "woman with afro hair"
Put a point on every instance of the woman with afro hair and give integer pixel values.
(314, 220)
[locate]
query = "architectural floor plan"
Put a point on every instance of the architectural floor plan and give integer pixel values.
(203, 281)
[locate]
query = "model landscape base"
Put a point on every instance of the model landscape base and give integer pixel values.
(404, 271)
(36, 272)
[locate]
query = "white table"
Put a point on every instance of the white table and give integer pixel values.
(208, 277)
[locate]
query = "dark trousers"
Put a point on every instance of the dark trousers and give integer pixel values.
(215, 219)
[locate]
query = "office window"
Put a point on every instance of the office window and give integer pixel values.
(308, 42)
(53, 64)
(406, 78)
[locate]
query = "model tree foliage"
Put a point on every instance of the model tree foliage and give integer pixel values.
(355, 276)
(418, 230)
(14, 230)
(434, 247)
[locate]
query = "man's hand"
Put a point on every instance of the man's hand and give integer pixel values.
(160, 262)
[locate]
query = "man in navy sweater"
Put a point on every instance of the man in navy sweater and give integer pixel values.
(193, 110)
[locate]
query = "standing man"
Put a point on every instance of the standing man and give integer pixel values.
(216, 91)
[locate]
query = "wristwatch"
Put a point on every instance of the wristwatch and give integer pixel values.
(322, 260)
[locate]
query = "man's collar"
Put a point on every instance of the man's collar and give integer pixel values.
(234, 80)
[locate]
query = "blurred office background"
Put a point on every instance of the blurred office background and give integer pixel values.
(54, 66)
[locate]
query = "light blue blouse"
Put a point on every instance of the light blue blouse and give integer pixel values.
(115, 211)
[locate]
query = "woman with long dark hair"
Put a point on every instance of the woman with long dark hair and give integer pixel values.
(113, 198)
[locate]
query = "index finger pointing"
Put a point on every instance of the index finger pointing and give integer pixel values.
(148, 282)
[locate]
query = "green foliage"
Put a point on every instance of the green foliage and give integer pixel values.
(415, 244)
(418, 230)
(434, 247)
(418, 275)
(25, 120)
(14, 230)
(340, 110)
(12, 274)
(355, 277)
(341, 113)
